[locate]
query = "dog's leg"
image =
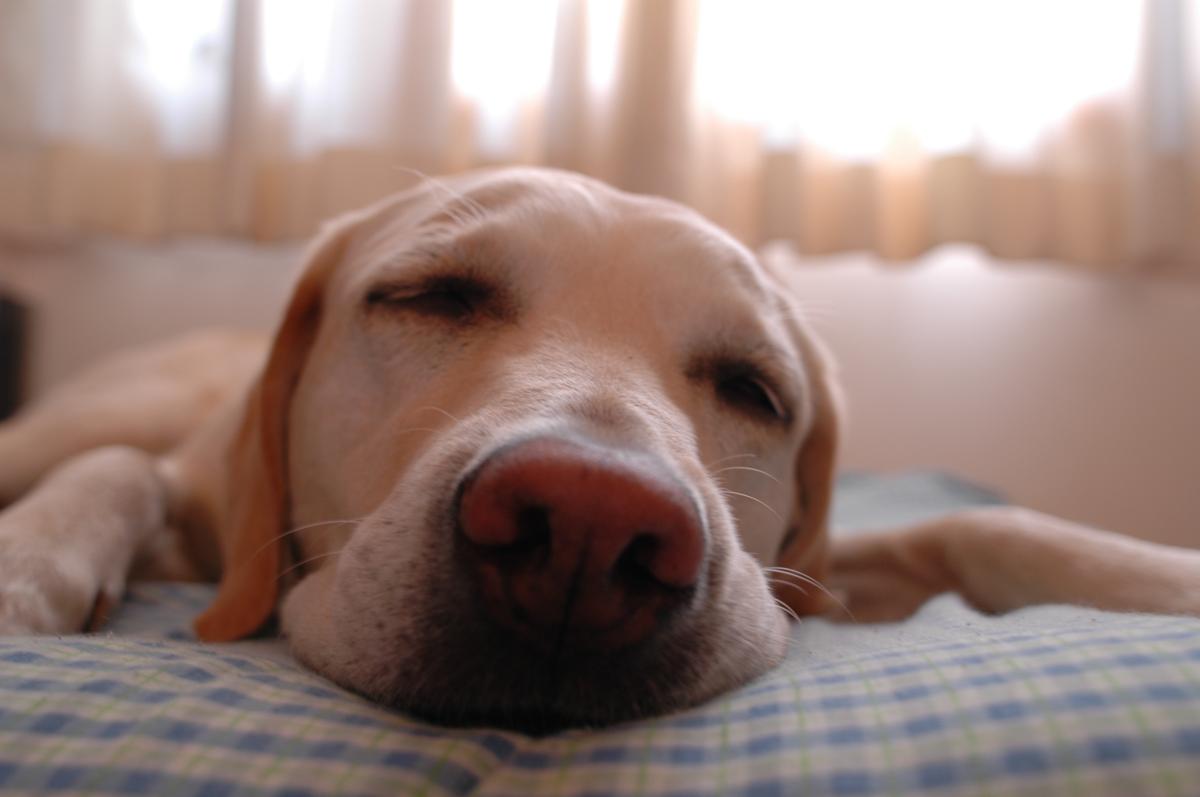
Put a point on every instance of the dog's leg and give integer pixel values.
(150, 398)
(66, 547)
(1003, 558)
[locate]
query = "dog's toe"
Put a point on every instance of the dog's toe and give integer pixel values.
(42, 598)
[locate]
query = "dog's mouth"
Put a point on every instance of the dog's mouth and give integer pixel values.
(488, 658)
(465, 662)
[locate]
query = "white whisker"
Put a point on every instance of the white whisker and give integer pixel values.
(306, 526)
(710, 465)
(788, 610)
(794, 645)
(807, 579)
(788, 584)
(412, 429)
(431, 408)
(746, 468)
(309, 560)
(469, 210)
(758, 501)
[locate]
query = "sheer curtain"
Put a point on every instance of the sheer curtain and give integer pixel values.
(1065, 129)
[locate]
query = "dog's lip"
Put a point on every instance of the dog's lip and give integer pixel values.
(499, 683)
(475, 673)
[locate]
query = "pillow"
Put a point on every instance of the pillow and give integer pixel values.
(1042, 701)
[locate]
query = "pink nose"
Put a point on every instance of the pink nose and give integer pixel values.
(574, 543)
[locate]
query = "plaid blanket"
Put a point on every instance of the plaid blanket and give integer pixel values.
(1050, 700)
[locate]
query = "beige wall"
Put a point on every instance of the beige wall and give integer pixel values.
(1073, 394)
(93, 298)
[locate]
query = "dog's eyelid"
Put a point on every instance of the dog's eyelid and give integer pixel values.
(401, 289)
(746, 384)
(450, 296)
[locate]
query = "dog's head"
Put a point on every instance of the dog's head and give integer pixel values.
(540, 439)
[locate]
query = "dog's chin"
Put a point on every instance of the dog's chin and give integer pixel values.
(464, 671)
(477, 673)
(485, 678)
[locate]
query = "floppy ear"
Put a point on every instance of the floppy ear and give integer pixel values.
(257, 501)
(805, 547)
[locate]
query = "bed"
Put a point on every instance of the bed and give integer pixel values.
(1048, 700)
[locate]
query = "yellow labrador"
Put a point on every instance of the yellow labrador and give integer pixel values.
(523, 450)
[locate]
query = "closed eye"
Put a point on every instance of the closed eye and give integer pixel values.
(451, 298)
(743, 388)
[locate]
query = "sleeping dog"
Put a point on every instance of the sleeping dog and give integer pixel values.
(524, 450)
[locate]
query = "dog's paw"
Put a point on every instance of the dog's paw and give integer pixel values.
(887, 576)
(42, 596)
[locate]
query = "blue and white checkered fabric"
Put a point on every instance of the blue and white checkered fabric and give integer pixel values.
(1045, 701)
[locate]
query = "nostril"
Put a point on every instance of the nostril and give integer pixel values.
(634, 568)
(533, 530)
(517, 539)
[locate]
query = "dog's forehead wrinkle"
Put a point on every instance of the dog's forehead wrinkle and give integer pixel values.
(710, 247)
(522, 202)
(579, 216)
(622, 411)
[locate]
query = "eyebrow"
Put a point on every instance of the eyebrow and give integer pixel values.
(728, 343)
(471, 256)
